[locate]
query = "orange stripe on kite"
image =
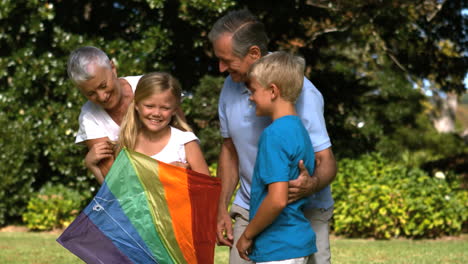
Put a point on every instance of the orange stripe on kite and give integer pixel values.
(179, 205)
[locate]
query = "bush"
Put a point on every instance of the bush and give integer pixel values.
(19, 165)
(201, 111)
(377, 198)
(55, 206)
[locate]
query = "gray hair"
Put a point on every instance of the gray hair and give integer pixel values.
(246, 31)
(79, 59)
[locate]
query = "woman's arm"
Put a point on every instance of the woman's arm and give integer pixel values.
(100, 157)
(195, 158)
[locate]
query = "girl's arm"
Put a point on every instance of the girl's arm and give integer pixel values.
(195, 158)
(275, 201)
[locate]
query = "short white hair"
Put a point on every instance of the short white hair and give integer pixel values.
(80, 59)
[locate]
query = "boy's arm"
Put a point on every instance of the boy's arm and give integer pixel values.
(275, 201)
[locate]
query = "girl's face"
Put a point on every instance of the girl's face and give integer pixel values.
(156, 111)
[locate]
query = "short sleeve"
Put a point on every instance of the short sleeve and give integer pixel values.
(222, 113)
(89, 129)
(309, 107)
(273, 160)
(92, 125)
(188, 137)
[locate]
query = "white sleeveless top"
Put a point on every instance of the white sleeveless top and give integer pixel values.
(175, 148)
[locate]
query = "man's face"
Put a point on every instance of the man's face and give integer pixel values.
(104, 88)
(237, 67)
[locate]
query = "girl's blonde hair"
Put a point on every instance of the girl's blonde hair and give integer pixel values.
(148, 85)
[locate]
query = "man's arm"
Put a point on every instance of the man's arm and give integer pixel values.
(324, 174)
(100, 157)
(228, 171)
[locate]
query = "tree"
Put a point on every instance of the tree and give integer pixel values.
(366, 58)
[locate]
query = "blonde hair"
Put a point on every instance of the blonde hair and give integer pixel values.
(148, 85)
(283, 69)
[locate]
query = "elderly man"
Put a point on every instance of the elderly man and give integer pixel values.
(238, 40)
(108, 96)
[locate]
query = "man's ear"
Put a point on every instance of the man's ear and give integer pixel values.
(254, 53)
(274, 91)
(113, 68)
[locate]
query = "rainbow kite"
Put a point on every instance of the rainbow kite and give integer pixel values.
(147, 212)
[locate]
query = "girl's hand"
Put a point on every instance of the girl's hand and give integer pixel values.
(244, 247)
(181, 164)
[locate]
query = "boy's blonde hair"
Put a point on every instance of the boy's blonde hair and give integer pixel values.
(283, 69)
(148, 85)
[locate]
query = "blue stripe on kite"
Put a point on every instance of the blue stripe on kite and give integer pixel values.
(106, 213)
(85, 240)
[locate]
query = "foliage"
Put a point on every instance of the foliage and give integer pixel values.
(201, 110)
(377, 198)
(421, 143)
(369, 59)
(54, 206)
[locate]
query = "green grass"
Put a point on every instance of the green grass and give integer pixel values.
(38, 248)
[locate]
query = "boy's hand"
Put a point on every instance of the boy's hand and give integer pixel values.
(244, 247)
(303, 186)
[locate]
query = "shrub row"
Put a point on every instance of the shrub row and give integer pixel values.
(377, 198)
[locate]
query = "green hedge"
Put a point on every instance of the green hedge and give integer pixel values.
(377, 198)
(54, 206)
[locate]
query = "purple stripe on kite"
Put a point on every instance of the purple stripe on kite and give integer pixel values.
(86, 241)
(108, 216)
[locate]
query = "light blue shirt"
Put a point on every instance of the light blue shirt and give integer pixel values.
(239, 122)
(282, 145)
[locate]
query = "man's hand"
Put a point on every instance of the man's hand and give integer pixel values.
(224, 229)
(303, 186)
(244, 247)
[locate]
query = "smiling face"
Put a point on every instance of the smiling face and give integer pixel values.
(156, 111)
(104, 88)
(261, 96)
(236, 66)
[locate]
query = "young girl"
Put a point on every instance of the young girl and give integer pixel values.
(152, 125)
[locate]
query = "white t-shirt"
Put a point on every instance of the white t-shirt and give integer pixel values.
(95, 122)
(175, 148)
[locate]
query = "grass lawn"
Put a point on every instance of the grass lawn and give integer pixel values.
(40, 248)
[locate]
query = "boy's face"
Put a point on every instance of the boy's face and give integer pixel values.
(261, 96)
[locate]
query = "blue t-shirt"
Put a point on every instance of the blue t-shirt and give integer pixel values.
(282, 145)
(239, 122)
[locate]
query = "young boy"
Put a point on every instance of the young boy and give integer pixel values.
(278, 232)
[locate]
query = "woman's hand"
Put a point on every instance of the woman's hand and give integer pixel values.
(98, 152)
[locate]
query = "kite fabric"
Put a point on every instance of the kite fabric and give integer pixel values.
(147, 211)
